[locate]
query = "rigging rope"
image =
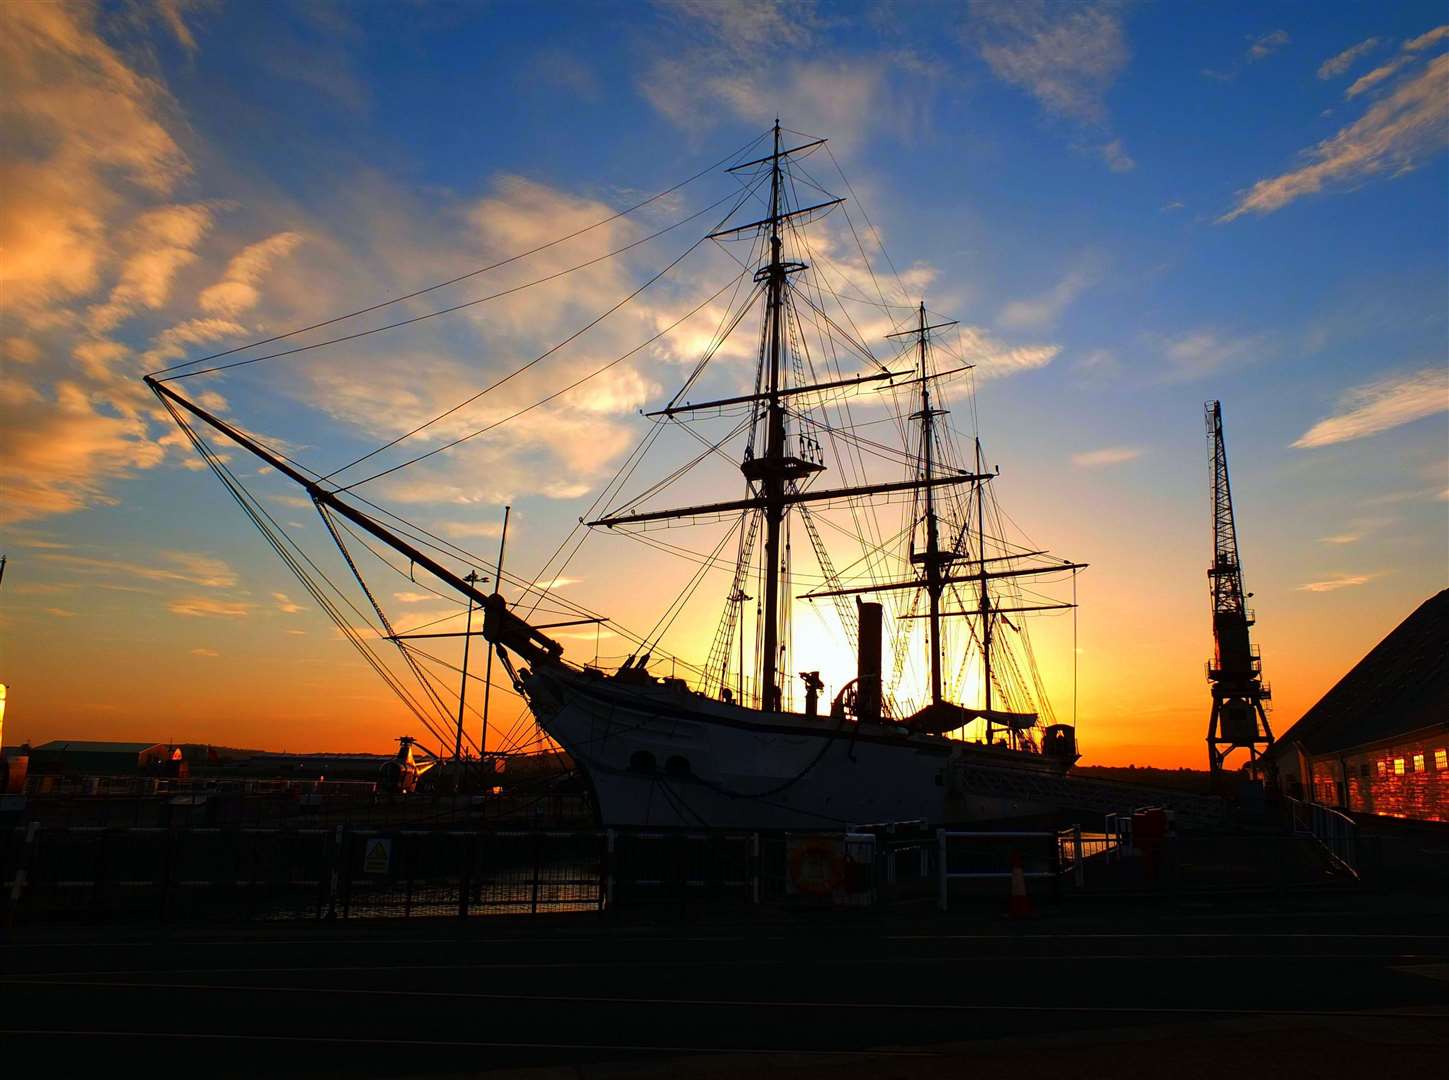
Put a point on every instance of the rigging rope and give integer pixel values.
(472, 273)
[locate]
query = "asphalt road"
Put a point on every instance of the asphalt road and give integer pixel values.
(1313, 985)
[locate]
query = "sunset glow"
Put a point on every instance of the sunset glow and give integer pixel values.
(1126, 221)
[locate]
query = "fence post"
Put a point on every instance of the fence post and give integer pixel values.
(465, 880)
(332, 875)
(411, 858)
(609, 836)
(1056, 865)
(22, 871)
(1080, 865)
(537, 870)
(941, 868)
(345, 870)
(166, 870)
(755, 868)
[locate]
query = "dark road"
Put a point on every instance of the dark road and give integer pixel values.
(1340, 980)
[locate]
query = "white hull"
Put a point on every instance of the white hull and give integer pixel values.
(661, 756)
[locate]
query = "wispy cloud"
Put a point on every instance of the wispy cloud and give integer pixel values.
(715, 59)
(286, 605)
(162, 242)
(994, 359)
(1259, 48)
(1065, 56)
(1338, 64)
(206, 607)
(1393, 136)
(1339, 581)
(187, 567)
(204, 652)
(1340, 538)
(237, 291)
(1110, 455)
(1376, 76)
(470, 529)
(1427, 40)
(1042, 311)
(1206, 352)
(1381, 405)
(1265, 46)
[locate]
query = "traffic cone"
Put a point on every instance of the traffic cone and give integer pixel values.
(1020, 906)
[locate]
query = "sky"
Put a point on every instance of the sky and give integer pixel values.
(1131, 208)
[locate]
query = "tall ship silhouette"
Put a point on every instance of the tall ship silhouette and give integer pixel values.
(834, 435)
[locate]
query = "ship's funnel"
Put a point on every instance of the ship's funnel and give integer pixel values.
(867, 671)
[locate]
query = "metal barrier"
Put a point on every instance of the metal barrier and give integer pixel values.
(988, 855)
(1336, 833)
(343, 872)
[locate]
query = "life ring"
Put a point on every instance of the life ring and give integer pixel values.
(817, 867)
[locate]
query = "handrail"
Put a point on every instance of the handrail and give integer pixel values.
(1335, 832)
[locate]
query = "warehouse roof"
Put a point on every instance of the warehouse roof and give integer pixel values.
(1402, 685)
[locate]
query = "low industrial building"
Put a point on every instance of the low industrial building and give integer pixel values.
(1378, 742)
(89, 758)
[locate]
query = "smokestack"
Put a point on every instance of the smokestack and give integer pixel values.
(867, 671)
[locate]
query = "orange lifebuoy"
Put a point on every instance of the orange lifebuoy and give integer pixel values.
(817, 867)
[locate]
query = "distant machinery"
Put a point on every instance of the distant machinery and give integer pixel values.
(1236, 672)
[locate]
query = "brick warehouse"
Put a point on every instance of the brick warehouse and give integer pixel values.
(1378, 742)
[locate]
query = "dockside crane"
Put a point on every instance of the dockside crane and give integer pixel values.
(1239, 719)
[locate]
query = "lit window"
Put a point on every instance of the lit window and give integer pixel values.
(1398, 766)
(1418, 762)
(1441, 759)
(1383, 768)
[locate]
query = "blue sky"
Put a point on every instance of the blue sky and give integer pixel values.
(1160, 203)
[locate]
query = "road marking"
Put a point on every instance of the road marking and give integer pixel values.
(569, 940)
(1428, 971)
(461, 1043)
(583, 999)
(900, 961)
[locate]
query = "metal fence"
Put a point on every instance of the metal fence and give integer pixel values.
(343, 872)
(57, 873)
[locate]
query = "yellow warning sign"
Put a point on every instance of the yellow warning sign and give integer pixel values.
(377, 857)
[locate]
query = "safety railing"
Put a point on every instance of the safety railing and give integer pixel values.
(982, 856)
(1336, 833)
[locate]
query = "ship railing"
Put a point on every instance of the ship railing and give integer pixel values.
(1335, 832)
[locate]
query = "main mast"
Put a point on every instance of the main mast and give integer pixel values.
(773, 472)
(985, 610)
(934, 585)
(775, 475)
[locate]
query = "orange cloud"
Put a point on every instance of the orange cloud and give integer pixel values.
(237, 291)
(201, 606)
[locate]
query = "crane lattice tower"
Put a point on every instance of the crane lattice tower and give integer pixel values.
(1239, 719)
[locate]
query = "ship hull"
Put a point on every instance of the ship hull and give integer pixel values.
(664, 757)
